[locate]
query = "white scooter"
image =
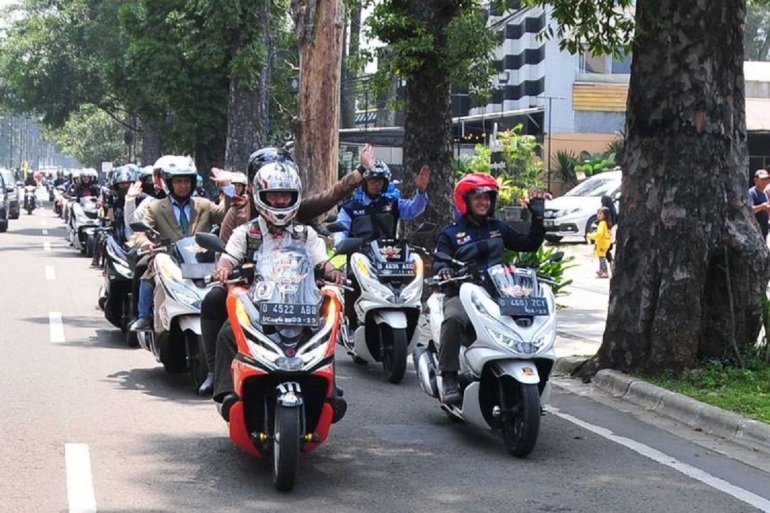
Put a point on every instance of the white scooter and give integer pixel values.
(180, 272)
(83, 221)
(389, 274)
(504, 372)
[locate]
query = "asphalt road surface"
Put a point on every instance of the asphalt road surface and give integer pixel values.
(88, 425)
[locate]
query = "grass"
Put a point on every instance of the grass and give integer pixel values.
(746, 392)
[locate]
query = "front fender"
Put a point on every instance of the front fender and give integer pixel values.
(396, 319)
(190, 322)
(523, 371)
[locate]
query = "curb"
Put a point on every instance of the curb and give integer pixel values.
(699, 416)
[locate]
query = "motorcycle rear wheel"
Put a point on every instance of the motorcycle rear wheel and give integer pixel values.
(393, 354)
(521, 421)
(286, 446)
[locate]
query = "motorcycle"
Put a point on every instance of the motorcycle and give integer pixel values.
(83, 222)
(30, 199)
(180, 269)
(115, 298)
(389, 274)
(59, 201)
(504, 373)
(285, 329)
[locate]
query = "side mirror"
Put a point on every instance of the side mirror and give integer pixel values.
(556, 257)
(336, 227)
(210, 241)
(139, 227)
(349, 246)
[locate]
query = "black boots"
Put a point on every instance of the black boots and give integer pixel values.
(207, 387)
(450, 389)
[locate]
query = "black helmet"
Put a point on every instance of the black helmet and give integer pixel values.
(265, 156)
(379, 170)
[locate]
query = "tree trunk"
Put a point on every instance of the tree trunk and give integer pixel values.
(317, 134)
(151, 144)
(350, 70)
(691, 263)
(428, 140)
(247, 109)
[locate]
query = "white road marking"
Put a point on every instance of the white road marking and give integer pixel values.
(45, 232)
(80, 485)
(47, 246)
(664, 459)
(56, 327)
(50, 272)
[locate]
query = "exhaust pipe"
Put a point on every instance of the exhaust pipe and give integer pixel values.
(425, 367)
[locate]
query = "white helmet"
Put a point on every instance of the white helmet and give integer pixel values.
(239, 178)
(173, 166)
(277, 177)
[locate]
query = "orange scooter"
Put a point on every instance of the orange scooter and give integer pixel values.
(285, 329)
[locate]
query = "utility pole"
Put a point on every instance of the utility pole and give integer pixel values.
(550, 130)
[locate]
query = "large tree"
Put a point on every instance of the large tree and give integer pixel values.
(691, 263)
(432, 44)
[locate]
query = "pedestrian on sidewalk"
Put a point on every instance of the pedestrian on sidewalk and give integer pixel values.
(613, 222)
(759, 200)
(602, 238)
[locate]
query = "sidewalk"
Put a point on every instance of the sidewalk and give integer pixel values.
(581, 322)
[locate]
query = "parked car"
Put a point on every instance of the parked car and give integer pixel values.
(14, 210)
(574, 214)
(4, 206)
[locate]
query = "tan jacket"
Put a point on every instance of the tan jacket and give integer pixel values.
(311, 207)
(161, 217)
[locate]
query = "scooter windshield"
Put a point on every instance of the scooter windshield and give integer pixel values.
(518, 291)
(284, 291)
(511, 281)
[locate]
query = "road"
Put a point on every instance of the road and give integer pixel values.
(91, 425)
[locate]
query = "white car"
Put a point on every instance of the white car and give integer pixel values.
(574, 214)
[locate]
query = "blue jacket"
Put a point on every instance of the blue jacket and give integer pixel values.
(468, 240)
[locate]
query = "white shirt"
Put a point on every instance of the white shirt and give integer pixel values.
(237, 244)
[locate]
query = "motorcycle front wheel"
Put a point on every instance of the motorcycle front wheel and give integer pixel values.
(287, 431)
(393, 353)
(199, 369)
(521, 419)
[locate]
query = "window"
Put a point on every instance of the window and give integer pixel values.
(604, 64)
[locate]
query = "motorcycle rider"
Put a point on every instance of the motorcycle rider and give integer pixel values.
(174, 217)
(373, 215)
(85, 185)
(213, 308)
(474, 198)
(277, 196)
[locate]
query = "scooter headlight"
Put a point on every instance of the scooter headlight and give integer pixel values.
(367, 281)
(413, 291)
(183, 295)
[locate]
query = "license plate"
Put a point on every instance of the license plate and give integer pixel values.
(280, 314)
(520, 306)
(549, 223)
(396, 268)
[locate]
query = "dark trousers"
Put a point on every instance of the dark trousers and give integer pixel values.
(139, 270)
(225, 354)
(213, 317)
(456, 331)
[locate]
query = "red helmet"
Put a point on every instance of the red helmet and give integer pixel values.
(472, 184)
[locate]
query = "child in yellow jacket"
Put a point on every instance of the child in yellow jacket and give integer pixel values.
(602, 238)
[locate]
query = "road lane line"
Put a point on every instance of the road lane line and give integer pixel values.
(56, 327)
(47, 247)
(50, 272)
(669, 461)
(80, 483)
(45, 232)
